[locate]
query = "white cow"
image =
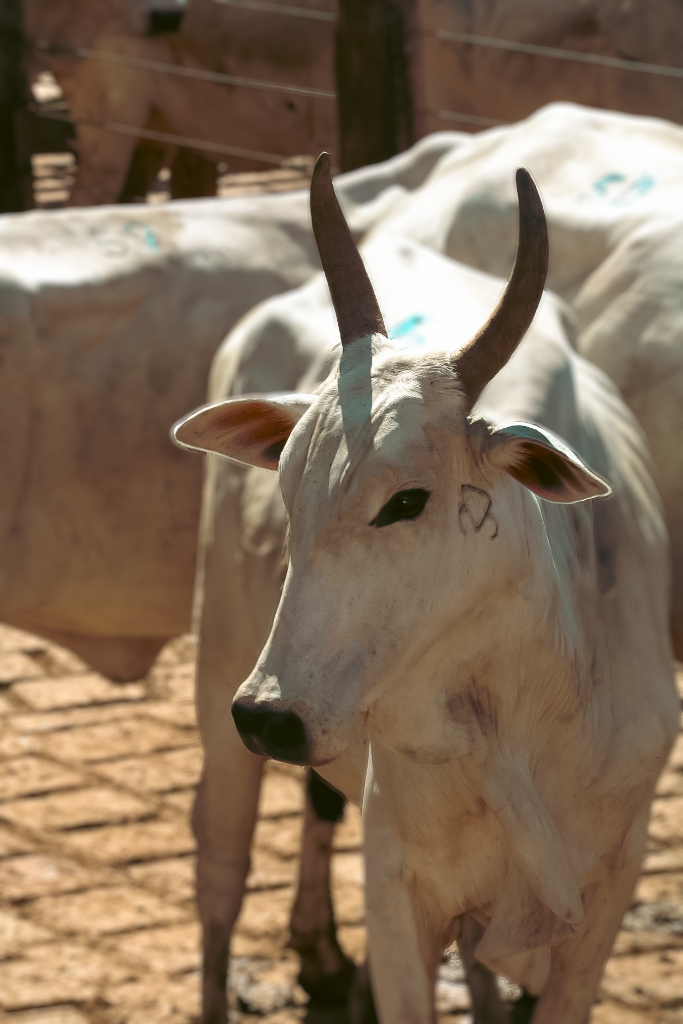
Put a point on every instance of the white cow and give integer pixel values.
(463, 637)
(109, 320)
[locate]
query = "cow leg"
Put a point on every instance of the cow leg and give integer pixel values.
(523, 1008)
(326, 972)
(192, 175)
(403, 964)
(223, 821)
(404, 947)
(227, 798)
(98, 95)
(487, 1007)
(236, 595)
(148, 159)
(225, 811)
(577, 965)
(103, 161)
(226, 803)
(361, 1006)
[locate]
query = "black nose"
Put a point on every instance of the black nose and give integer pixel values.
(278, 734)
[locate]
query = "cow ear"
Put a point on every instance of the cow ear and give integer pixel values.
(543, 464)
(251, 430)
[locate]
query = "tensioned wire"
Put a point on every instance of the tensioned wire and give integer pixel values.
(619, 63)
(176, 140)
(264, 7)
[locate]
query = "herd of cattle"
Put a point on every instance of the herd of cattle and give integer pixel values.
(465, 642)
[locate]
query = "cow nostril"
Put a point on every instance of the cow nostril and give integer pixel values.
(278, 734)
(284, 731)
(249, 721)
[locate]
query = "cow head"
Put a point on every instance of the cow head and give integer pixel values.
(409, 520)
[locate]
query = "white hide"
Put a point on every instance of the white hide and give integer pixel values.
(110, 318)
(518, 711)
(611, 186)
(601, 175)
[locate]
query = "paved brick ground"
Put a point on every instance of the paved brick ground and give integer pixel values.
(97, 921)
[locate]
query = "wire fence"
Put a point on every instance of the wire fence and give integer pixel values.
(558, 54)
(200, 74)
(176, 140)
(466, 38)
(240, 81)
(286, 9)
(462, 118)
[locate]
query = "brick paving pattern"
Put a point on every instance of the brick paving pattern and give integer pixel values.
(97, 919)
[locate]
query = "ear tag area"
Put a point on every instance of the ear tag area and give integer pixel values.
(249, 430)
(543, 464)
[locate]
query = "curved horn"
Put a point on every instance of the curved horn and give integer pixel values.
(353, 299)
(491, 347)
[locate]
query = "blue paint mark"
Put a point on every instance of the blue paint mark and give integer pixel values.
(602, 184)
(148, 235)
(151, 240)
(617, 190)
(634, 191)
(407, 334)
(406, 326)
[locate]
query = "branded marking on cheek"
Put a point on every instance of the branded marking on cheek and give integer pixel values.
(476, 510)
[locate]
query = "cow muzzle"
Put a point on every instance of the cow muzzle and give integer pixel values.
(277, 734)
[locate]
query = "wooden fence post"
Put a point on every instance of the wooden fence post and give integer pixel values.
(373, 80)
(16, 181)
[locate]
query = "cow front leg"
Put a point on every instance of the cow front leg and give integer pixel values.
(223, 821)
(577, 965)
(487, 1007)
(403, 950)
(224, 814)
(232, 608)
(326, 972)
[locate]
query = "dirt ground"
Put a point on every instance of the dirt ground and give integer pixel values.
(97, 919)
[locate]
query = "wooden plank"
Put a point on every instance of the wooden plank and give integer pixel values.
(16, 185)
(373, 80)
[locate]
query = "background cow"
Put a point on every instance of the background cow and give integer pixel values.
(214, 37)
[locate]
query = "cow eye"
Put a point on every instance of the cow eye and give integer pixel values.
(404, 505)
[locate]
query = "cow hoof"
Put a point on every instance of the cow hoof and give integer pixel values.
(522, 1009)
(329, 989)
(361, 1006)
